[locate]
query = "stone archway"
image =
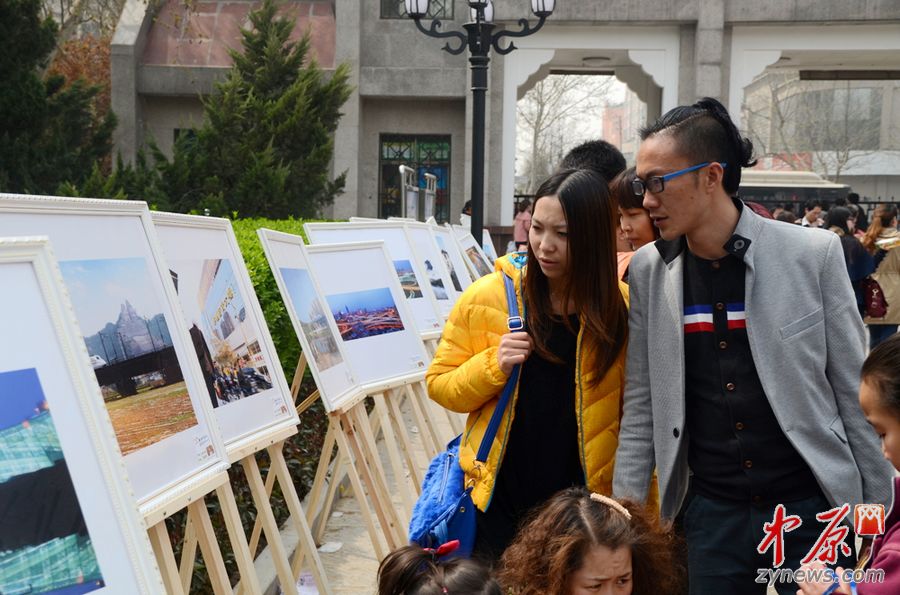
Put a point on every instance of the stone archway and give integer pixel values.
(644, 58)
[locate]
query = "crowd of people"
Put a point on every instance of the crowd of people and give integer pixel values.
(690, 378)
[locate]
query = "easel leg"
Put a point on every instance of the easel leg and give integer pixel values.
(407, 492)
(209, 546)
(359, 476)
(306, 546)
(273, 536)
(188, 553)
(319, 483)
(165, 558)
(242, 557)
(432, 412)
(370, 455)
(425, 430)
(415, 462)
(337, 477)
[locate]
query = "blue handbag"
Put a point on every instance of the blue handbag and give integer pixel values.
(445, 511)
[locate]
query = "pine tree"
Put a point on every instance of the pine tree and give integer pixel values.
(266, 143)
(50, 132)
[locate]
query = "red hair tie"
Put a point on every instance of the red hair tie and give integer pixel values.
(443, 550)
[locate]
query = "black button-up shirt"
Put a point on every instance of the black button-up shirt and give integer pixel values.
(736, 449)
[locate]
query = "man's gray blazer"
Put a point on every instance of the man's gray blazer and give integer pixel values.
(808, 345)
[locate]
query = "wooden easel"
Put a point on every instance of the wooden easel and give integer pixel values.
(177, 581)
(261, 489)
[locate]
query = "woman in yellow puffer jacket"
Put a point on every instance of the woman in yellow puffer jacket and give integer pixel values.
(561, 427)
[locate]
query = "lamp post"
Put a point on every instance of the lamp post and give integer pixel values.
(479, 37)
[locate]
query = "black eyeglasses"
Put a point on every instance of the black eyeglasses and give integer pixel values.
(657, 184)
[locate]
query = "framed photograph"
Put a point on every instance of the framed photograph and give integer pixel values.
(476, 259)
(487, 244)
(134, 333)
(315, 328)
(409, 265)
(244, 380)
(69, 521)
(453, 258)
(447, 288)
(364, 298)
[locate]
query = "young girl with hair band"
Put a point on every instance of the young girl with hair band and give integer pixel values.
(583, 543)
(879, 396)
(562, 423)
(882, 240)
(412, 570)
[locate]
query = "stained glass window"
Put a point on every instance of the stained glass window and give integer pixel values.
(396, 9)
(425, 154)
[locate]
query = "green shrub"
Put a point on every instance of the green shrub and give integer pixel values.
(286, 343)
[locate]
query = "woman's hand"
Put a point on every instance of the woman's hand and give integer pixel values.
(822, 586)
(514, 349)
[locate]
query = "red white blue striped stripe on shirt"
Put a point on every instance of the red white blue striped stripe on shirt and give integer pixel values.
(699, 318)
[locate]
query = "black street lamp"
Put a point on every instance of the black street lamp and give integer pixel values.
(480, 37)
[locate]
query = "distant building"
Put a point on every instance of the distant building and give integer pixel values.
(411, 103)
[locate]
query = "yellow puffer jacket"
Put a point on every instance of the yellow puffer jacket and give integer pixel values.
(465, 377)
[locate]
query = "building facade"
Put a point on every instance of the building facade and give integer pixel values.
(412, 104)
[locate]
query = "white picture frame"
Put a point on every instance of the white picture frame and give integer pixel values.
(428, 316)
(487, 245)
(436, 269)
(478, 263)
(52, 412)
(240, 367)
(359, 278)
(447, 243)
(111, 244)
(315, 328)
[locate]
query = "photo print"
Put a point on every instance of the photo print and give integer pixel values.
(130, 348)
(225, 341)
(437, 284)
(408, 280)
(361, 314)
(446, 256)
(312, 318)
(44, 542)
(477, 261)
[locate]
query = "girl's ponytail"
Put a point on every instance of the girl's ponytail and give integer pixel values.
(881, 219)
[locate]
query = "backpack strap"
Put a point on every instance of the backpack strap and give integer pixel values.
(514, 323)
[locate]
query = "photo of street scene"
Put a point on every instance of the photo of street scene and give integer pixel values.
(408, 281)
(477, 261)
(225, 339)
(453, 277)
(44, 542)
(131, 350)
(437, 284)
(363, 314)
(322, 341)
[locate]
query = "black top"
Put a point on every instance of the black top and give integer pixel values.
(736, 449)
(542, 454)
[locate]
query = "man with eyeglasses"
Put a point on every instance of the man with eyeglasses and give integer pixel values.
(712, 398)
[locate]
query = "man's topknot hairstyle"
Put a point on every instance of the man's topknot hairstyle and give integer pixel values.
(705, 132)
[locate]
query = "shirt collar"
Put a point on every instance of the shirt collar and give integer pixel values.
(737, 244)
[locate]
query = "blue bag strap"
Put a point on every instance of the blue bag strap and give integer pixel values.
(513, 323)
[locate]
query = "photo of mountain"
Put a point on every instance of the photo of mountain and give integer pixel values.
(131, 349)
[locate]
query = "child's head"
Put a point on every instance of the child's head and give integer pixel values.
(879, 396)
(411, 570)
(584, 543)
(633, 217)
